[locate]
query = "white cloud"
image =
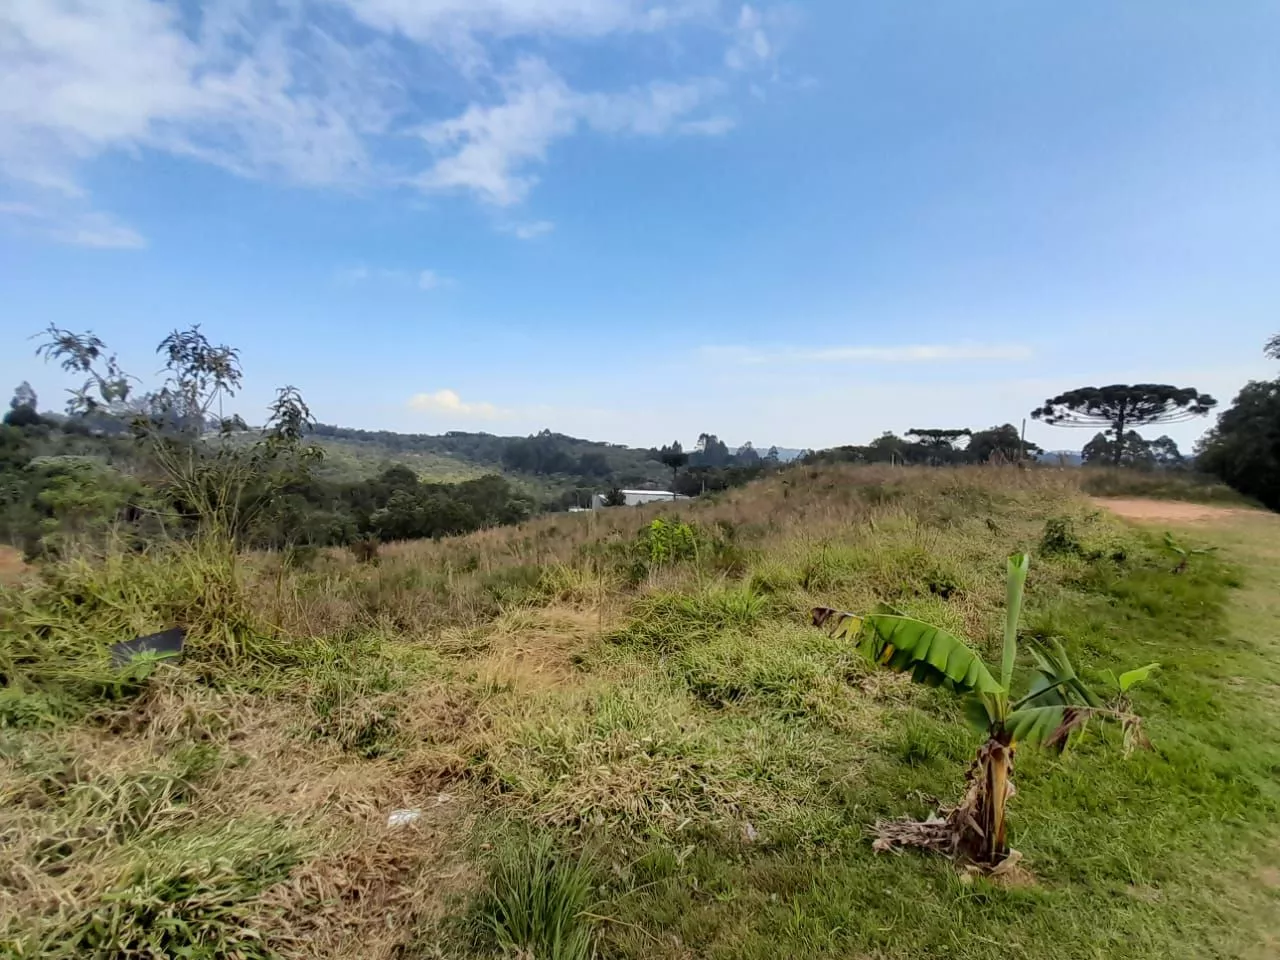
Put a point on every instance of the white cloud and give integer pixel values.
(528, 229)
(429, 20)
(72, 226)
(488, 148)
(307, 91)
(261, 98)
(924, 353)
(353, 275)
(751, 46)
(710, 127)
(362, 273)
(98, 230)
(448, 402)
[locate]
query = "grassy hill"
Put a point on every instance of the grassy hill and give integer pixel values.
(545, 462)
(628, 733)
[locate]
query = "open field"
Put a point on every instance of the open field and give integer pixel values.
(646, 709)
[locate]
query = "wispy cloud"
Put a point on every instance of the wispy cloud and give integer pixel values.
(74, 227)
(710, 127)
(490, 149)
(528, 229)
(362, 273)
(307, 92)
(751, 44)
(448, 402)
(434, 20)
(921, 353)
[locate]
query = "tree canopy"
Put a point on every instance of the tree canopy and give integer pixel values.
(933, 437)
(999, 443)
(1243, 449)
(1121, 407)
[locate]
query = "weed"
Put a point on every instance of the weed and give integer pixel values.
(1059, 538)
(186, 899)
(512, 586)
(365, 549)
(537, 902)
(670, 621)
(669, 541)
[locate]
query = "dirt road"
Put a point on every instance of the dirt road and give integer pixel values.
(1173, 511)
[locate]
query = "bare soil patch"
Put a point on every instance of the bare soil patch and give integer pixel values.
(11, 565)
(1171, 510)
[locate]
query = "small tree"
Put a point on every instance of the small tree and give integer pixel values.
(1165, 454)
(1056, 705)
(23, 410)
(711, 451)
(675, 458)
(24, 397)
(224, 486)
(939, 445)
(614, 498)
(1123, 407)
(1133, 452)
(996, 444)
(938, 439)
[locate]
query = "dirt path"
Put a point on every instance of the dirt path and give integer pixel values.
(1174, 511)
(1250, 538)
(11, 565)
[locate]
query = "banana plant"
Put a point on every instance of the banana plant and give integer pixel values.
(1184, 554)
(1056, 705)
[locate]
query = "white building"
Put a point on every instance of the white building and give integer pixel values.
(635, 498)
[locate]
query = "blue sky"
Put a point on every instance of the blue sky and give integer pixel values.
(796, 223)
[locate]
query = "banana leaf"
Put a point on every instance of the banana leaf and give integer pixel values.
(932, 655)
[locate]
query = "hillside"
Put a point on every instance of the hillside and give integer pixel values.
(547, 462)
(627, 731)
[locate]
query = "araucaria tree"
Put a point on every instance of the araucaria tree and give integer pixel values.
(1056, 705)
(675, 458)
(1122, 407)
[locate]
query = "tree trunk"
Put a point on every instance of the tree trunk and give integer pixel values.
(979, 821)
(1118, 451)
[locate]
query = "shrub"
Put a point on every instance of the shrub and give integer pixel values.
(1059, 538)
(669, 541)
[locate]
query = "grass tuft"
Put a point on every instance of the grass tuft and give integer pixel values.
(537, 902)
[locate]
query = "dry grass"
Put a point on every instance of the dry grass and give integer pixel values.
(553, 677)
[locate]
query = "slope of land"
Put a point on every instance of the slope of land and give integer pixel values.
(645, 704)
(544, 462)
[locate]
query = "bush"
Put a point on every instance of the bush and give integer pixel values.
(1059, 538)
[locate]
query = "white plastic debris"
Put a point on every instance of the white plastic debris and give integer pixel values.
(402, 818)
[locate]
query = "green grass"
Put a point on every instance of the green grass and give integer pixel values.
(663, 762)
(537, 902)
(1160, 485)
